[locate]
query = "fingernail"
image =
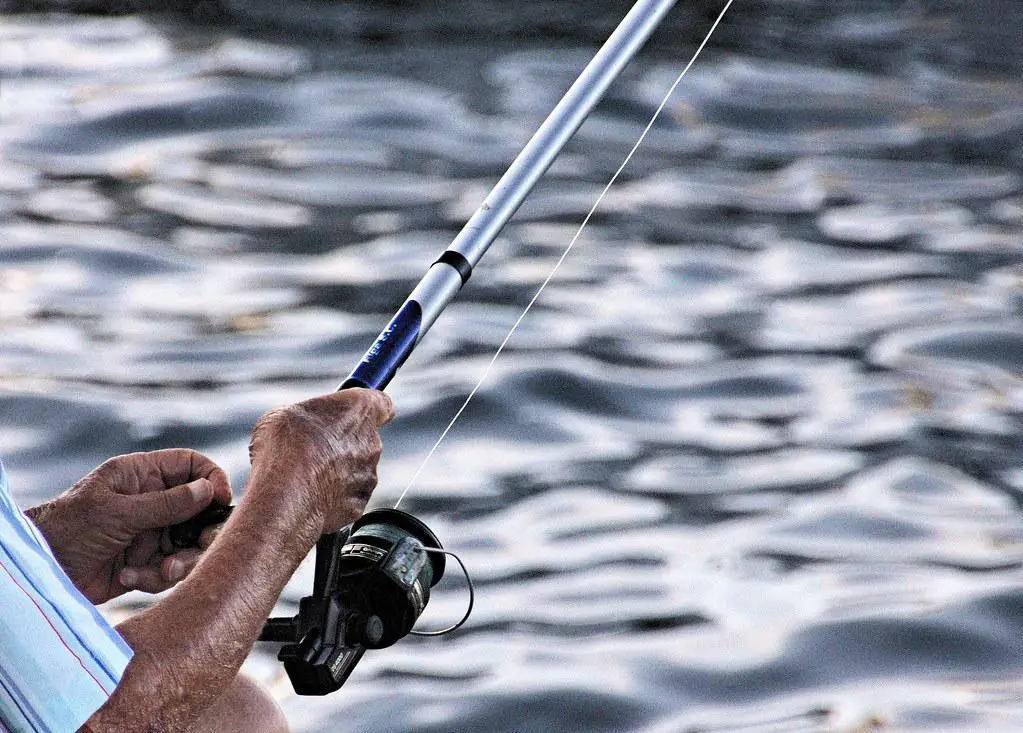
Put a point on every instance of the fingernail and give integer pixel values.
(201, 490)
(175, 570)
(129, 577)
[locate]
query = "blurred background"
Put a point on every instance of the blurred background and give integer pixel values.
(754, 463)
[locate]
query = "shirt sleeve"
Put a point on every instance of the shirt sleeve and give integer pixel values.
(60, 660)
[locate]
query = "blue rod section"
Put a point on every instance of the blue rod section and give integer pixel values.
(389, 351)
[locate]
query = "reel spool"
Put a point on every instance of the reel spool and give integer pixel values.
(386, 569)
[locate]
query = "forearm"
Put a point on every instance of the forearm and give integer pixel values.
(189, 646)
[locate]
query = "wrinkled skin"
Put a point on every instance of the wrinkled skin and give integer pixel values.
(324, 444)
(313, 470)
(109, 530)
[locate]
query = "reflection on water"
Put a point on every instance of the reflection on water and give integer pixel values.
(756, 455)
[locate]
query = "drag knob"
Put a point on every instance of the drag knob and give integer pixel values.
(368, 631)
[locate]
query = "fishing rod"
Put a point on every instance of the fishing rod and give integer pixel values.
(372, 579)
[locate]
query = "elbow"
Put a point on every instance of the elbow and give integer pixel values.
(150, 698)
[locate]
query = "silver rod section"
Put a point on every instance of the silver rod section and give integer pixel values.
(541, 150)
(446, 277)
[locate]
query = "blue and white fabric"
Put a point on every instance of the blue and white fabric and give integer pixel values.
(59, 658)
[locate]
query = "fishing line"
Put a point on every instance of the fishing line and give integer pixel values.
(564, 255)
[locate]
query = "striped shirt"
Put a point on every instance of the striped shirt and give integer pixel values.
(59, 658)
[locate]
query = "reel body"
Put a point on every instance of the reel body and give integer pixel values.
(372, 582)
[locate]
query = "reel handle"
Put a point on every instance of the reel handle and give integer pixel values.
(187, 533)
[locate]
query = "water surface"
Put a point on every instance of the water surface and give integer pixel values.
(753, 463)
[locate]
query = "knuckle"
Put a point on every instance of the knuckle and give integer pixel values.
(271, 417)
(196, 461)
(385, 401)
(114, 465)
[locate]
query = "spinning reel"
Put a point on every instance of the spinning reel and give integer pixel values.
(372, 582)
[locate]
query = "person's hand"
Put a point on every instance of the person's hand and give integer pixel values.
(109, 530)
(326, 449)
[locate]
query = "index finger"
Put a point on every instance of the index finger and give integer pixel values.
(379, 404)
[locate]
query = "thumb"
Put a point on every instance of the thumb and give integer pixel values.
(158, 509)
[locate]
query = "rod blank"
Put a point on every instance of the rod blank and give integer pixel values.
(446, 276)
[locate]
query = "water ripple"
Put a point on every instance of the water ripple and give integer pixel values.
(753, 462)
